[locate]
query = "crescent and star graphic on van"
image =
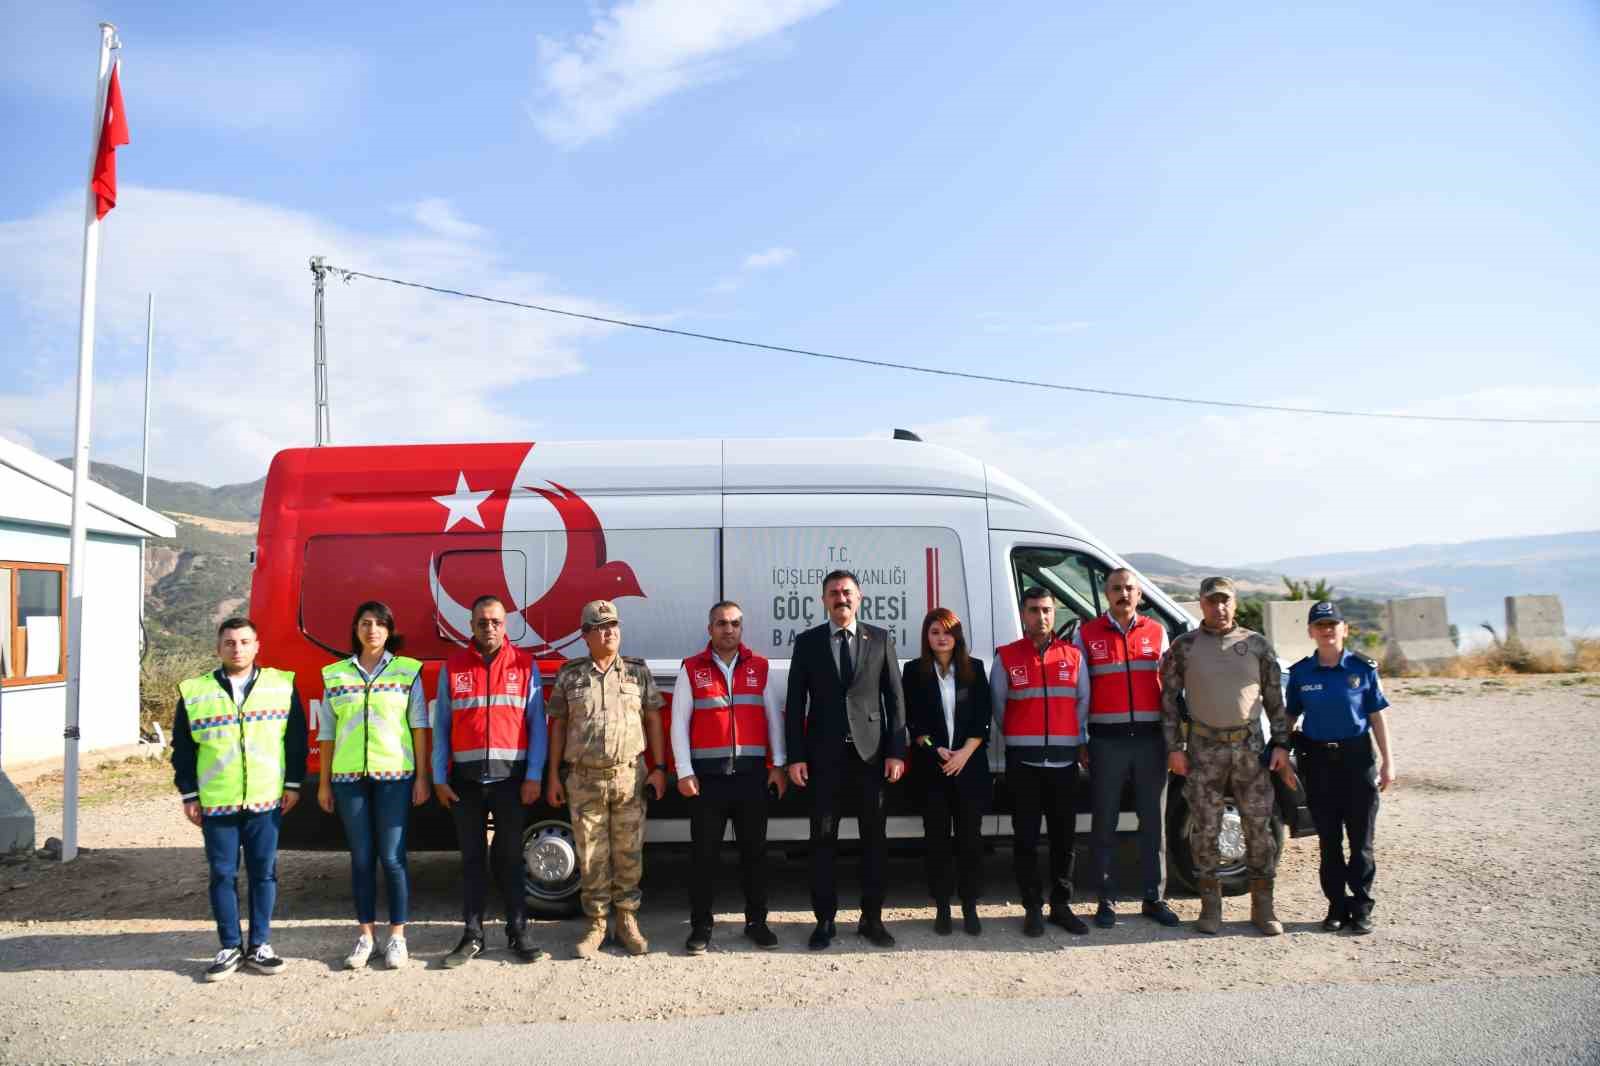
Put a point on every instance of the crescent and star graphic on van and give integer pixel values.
(585, 573)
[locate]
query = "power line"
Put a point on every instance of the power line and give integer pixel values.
(966, 374)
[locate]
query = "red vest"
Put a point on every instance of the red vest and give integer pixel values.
(728, 731)
(1124, 672)
(488, 725)
(1040, 719)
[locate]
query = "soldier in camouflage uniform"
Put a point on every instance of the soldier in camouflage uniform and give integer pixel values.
(1226, 675)
(606, 705)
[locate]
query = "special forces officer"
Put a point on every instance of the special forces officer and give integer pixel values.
(608, 704)
(1226, 674)
(1340, 703)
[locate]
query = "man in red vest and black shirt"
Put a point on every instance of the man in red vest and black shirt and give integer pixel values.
(489, 745)
(1123, 650)
(727, 741)
(1041, 706)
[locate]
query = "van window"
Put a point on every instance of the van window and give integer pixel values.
(662, 581)
(1075, 580)
(775, 575)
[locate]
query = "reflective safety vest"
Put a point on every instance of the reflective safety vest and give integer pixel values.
(488, 701)
(371, 729)
(239, 748)
(1124, 672)
(1040, 719)
(727, 731)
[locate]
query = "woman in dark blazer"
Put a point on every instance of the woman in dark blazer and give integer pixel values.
(947, 714)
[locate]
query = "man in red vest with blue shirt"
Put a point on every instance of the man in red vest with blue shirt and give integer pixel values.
(1123, 650)
(727, 741)
(1041, 708)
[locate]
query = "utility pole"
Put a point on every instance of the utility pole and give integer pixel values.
(319, 350)
(144, 447)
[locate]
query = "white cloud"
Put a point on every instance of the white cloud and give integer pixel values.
(440, 217)
(233, 333)
(772, 257)
(1233, 488)
(642, 50)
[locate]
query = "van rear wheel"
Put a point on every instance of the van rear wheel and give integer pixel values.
(1231, 871)
(550, 871)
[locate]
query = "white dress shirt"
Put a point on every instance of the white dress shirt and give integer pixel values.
(855, 646)
(947, 698)
(683, 710)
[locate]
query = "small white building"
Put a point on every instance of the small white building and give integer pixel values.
(35, 525)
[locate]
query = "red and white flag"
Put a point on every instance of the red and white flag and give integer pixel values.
(113, 132)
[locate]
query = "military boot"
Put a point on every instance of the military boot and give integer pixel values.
(1261, 915)
(594, 934)
(633, 941)
(1210, 919)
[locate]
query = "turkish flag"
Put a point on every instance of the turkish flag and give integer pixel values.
(113, 132)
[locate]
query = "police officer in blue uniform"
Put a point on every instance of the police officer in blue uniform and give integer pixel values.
(1339, 701)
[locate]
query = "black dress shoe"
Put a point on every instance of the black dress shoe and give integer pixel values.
(1360, 924)
(1064, 917)
(1158, 910)
(760, 935)
(876, 934)
(969, 919)
(1105, 915)
(821, 936)
(699, 940)
(1335, 919)
(1033, 922)
(941, 919)
(469, 947)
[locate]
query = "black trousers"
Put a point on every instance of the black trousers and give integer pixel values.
(504, 798)
(1048, 793)
(741, 797)
(1342, 792)
(961, 800)
(1112, 760)
(833, 779)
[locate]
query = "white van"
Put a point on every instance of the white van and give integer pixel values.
(665, 529)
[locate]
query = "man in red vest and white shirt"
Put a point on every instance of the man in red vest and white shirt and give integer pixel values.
(1123, 651)
(727, 741)
(1041, 706)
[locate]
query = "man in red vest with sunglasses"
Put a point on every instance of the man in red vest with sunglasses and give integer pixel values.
(1123, 650)
(727, 741)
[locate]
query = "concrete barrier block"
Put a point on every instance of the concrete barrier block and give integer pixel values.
(1538, 625)
(1418, 630)
(1285, 623)
(16, 818)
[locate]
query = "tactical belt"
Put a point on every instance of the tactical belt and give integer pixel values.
(1222, 736)
(604, 773)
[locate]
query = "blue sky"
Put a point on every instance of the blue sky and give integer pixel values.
(1376, 205)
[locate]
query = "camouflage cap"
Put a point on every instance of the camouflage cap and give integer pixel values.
(598, 613)
(1216, 586)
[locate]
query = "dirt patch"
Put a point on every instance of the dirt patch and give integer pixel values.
(133, 778)
(1488, 866)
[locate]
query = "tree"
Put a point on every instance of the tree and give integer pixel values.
(1305, 590)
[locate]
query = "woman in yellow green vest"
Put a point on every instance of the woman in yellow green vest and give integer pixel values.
(372, 731)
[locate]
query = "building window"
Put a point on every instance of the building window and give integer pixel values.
(33, 627)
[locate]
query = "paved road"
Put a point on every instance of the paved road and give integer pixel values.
(1523, 1020)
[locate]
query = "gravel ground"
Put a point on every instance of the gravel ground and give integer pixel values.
(1488, 856)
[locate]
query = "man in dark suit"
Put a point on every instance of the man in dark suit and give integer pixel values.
(846, 730)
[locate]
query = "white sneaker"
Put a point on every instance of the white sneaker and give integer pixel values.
(359, 956)
(394, 953)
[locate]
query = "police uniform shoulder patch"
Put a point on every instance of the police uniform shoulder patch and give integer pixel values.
(1354, 679)
(572, 666)
(1370, 664)
(633, 661)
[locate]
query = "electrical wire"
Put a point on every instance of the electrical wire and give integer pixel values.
(967, 374)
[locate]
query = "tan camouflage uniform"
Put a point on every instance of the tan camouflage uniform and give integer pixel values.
(1229, 698)
(603, 772)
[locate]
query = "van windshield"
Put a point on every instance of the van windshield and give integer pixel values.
(1076, 581)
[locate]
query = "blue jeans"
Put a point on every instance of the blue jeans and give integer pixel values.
(375, 816)
(256, 832)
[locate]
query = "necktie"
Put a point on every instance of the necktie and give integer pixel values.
(847, 670)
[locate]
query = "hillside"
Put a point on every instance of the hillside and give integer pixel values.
(202, 574)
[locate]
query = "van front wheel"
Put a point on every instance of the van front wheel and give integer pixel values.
(550, 869)
(1231, 871)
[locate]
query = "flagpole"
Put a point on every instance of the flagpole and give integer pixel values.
(78, 557)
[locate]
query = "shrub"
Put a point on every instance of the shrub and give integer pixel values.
(159, 675)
